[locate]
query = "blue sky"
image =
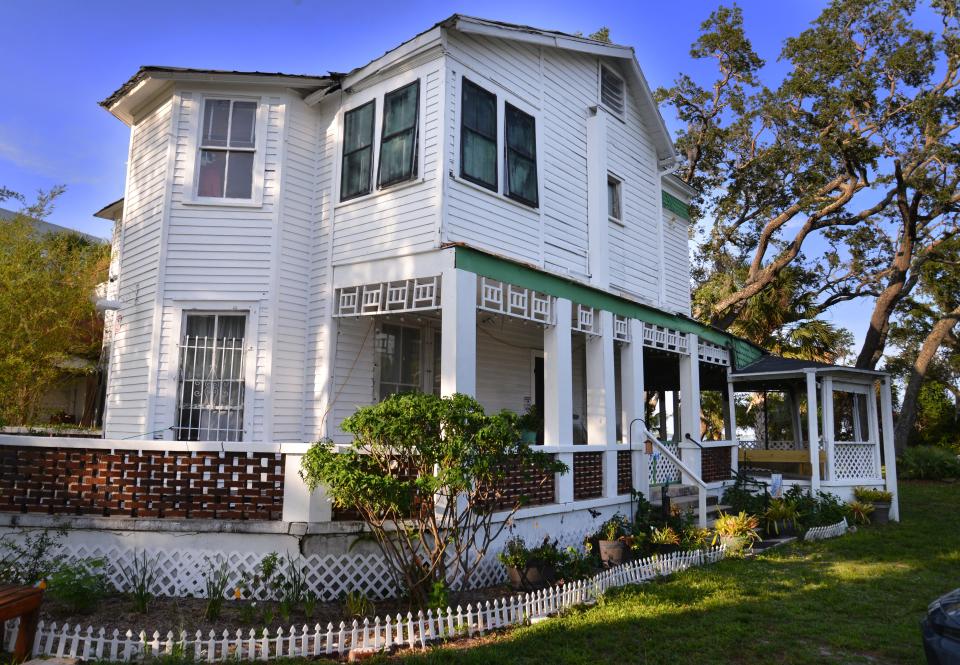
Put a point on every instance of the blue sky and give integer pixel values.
(61, 58)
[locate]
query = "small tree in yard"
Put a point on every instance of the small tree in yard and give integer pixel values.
(427, 476)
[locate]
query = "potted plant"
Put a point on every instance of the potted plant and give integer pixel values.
(737, 533)
(695, 538)
(665, 540)
(614, 541)
(880, 499)
(530, 424)
(780, 518)
(530, 569)
(860, 511)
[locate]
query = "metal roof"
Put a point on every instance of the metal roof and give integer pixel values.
(45, 228)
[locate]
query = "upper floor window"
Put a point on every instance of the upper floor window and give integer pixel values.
(614, 199)
(478, 135)
(357, 164)
(521, 155)
(398, 137)
(611, 90)
(228, 145)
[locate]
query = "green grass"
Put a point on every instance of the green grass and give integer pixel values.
(855, 599)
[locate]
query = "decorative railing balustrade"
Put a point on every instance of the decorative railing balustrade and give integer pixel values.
(856, 460)
(662, 469)
(587, 476)
(407, 630)
(779, 444)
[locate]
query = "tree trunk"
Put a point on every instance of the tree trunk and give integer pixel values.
(908, 409)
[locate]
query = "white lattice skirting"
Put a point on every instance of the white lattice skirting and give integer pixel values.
(856, 460)
(410, 630)
(824, 532)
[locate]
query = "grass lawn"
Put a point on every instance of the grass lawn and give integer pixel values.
(855, 599)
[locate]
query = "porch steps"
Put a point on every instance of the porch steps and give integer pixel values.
(685, 497)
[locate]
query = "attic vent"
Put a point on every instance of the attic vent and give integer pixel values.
(611, 90)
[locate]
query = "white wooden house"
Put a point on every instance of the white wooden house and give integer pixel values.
(485, 209)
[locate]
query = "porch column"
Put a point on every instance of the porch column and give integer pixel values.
(690, 405)
(812, 433)
(299, 503)
(826, 407)
(458, 353)
(634, 403)
(732, 419)
(662, 414)
(558, 392)
(602, 398)
(889, 451)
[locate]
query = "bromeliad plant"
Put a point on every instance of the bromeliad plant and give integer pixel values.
(781, 516)
(860, 511)
(426, 475)
(736, 532)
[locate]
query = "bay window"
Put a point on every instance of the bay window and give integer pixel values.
(478, 135)
(521, 146)
(398, 138)
(227, 149)
(357, 165)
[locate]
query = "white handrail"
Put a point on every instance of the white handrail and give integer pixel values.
(684, 470)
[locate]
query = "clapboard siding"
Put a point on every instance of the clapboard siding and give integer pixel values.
(131, 352)
(354, 368)
(403, 218)
(676, 249)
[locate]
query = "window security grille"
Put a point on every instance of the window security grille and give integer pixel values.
(211, 390)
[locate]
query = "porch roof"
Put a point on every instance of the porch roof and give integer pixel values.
(771, 369)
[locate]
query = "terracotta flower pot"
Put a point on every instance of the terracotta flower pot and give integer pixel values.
(613, 552)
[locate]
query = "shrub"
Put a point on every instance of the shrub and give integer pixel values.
(427, 475)
(439, 595)
(34, 559)
(80, 585)
(822, 509)
(695, 538)
(928, 463)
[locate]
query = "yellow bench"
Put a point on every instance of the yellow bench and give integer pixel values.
(797, 458)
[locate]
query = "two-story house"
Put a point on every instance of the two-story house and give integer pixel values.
(485, 209)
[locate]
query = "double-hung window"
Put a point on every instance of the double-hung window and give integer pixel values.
(614, 199)
(521, 147)
(399, 350)
(478, 135)
(228, 145)
(357, 166)
(398, 138)
(212, 386)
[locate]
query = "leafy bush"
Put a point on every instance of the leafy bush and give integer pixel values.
(664, 536)
(780, 514)
(439, 595)
(742, 499)
(928, 463)
(34, 559)
(427, 474)
(869, 495)
(820, 510)
(695, 538)
(79, 585)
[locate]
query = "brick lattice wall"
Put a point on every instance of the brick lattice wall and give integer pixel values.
(587, 475)
(134, 483)
(624, 472)
(715, 464)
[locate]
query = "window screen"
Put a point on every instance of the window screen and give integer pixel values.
(478, 135)
(521, 155)
(227, 148)
(398, 140)
(399, 358)
(357, 163)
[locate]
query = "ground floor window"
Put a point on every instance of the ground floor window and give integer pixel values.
(211, 387)
(408, 360)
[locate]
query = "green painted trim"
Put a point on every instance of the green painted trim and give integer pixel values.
(504, 270)
(675, 205)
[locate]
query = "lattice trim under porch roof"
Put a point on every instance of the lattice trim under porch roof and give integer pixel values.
(407, 295)
(516, 301)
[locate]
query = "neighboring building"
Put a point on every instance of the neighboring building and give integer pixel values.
(485, 209)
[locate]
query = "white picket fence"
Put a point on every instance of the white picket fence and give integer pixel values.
(412, 630)
(831, 531)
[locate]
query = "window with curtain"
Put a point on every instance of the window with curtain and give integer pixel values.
(614, 199)
(227, 149)
(478, 135)
(357, 166)
(212, 385)
(398, 137)
(520, 129)
(398, 351)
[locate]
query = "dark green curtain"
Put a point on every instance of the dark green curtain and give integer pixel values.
(478, 135)
(398, 142)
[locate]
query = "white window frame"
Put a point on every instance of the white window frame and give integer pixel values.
(377, 93)
(427, 350)
(192, 174)
(620, 115)
(503, 97)
(178, 312)
(616, 220)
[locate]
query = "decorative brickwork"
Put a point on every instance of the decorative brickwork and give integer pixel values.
(134, 483)
(624, 472)
(587, 475)
(715, 464)
(535, 489)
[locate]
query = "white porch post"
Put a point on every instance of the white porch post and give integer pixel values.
(558, 392)
(299, 503)
(889, 451)
(633, 399)
(458, 353)
(732, 435)
(662, 414)
(690, 405)
(813, 433)
(602, 398)
(826, 404)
